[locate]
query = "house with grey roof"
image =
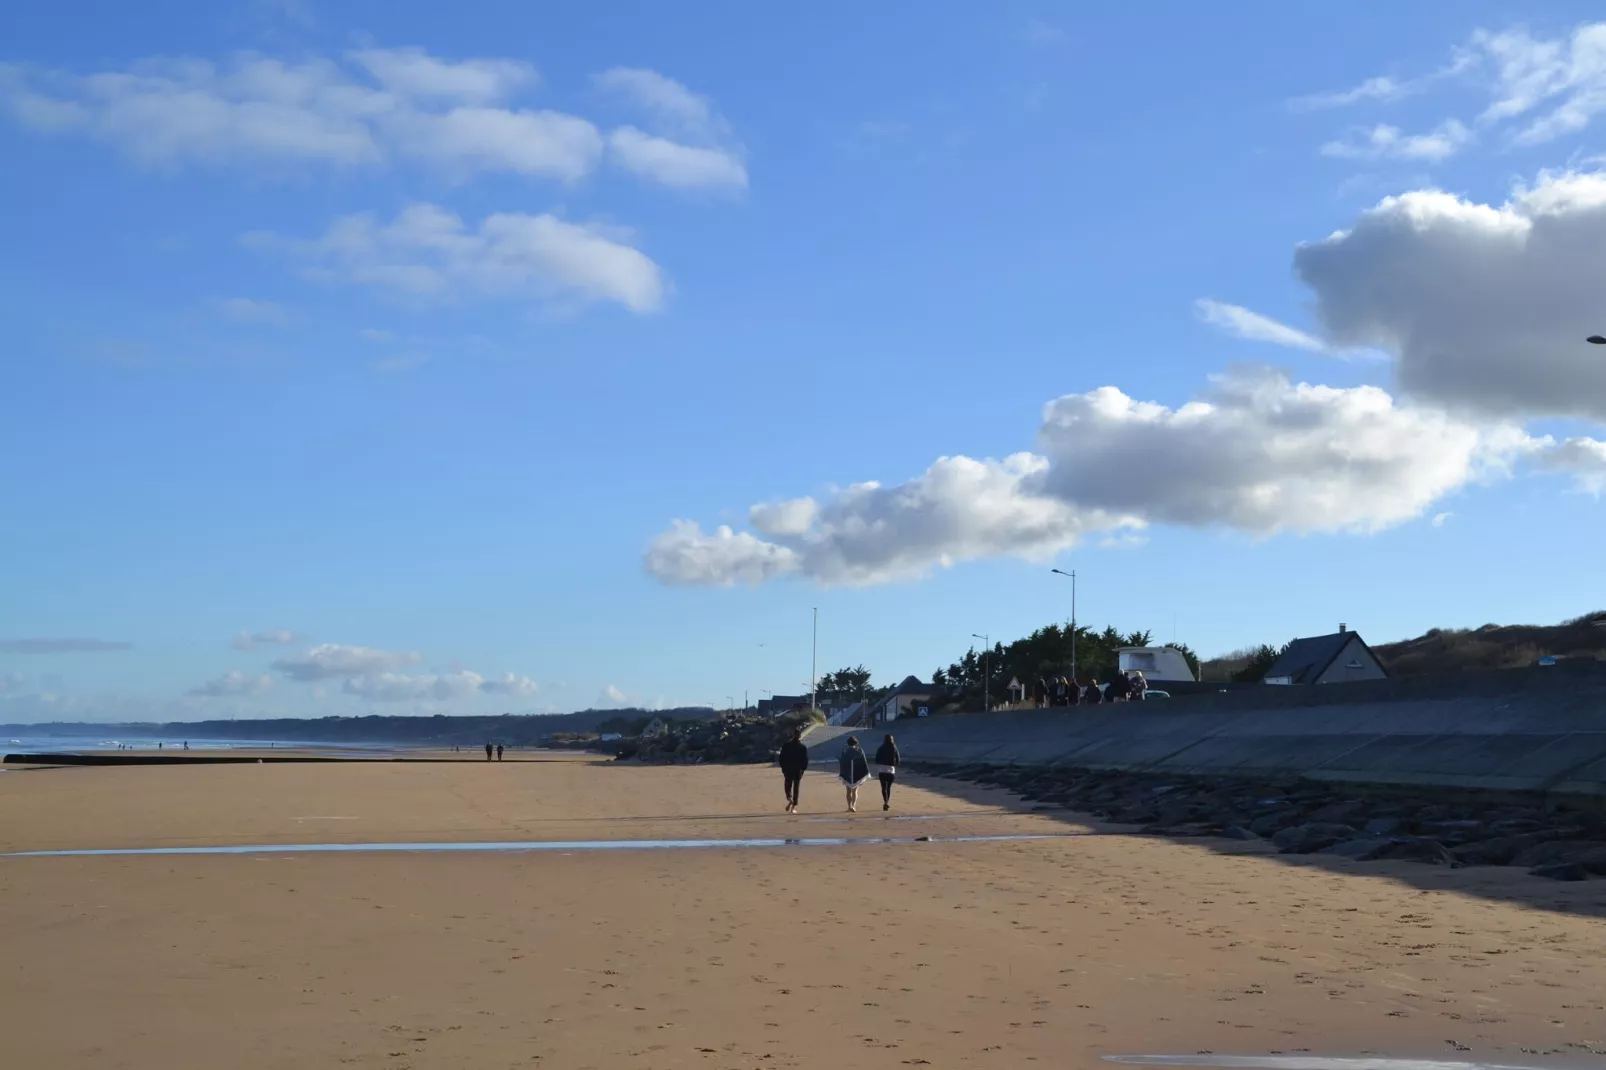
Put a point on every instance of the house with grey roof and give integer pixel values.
(905, 700)
(1326, 659)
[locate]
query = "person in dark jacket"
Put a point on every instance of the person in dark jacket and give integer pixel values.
(794, 762)
(488, 748)
(853, 769)
(887, 761)
(1094, 692)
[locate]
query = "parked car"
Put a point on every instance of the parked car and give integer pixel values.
(1152, 693)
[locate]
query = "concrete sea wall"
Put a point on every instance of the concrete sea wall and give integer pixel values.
(1541, 730)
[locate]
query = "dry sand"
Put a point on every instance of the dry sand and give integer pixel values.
(1048, 952)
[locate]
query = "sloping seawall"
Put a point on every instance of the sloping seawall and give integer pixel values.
(1526, 730)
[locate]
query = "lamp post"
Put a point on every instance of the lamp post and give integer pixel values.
(1072, 574)
(986, 672)
(814, 661)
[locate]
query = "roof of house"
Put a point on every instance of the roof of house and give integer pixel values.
(911, 686)
(1306, 659)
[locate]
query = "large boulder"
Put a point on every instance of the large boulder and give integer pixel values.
(1362, 848)
(1590, 854)
(1311, 837)
(1417, 849)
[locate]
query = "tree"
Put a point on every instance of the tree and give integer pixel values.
(850, 681)
(1261, 659)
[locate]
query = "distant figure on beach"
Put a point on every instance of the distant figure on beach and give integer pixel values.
(488, 749)
(499, 752)
(853, 770)
(1094, 692)
(794, 762)
(186, 744)
(886, 762)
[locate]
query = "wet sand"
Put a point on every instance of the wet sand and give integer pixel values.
(1051, 952)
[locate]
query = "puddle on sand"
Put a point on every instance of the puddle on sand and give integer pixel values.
(1309, 1062)
(529, 845)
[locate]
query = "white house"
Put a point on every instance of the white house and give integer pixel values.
(1156, 663)
(905, 700)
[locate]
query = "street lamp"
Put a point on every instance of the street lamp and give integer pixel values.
(1072, 574)
(986, 672)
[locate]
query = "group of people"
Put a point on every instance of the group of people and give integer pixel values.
(1068, 691)
(853, 769)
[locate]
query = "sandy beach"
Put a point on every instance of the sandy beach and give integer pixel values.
(1050, 951)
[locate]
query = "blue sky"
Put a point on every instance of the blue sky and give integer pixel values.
(435, 351)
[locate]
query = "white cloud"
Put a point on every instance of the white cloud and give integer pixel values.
(690, 145)
(244, 640)
(1388, 142)
(1257, 454)
(784, 518)
(669, 102)
(258, 111)
(333, 661)
(234, 682)
(1565, 78)
(1439, 519)
(397, 687)
(1252, 326)
(1584, 458)
(673, 164)
(250, 310)
(1484, 307)
(612, 696)
(509, 684)
(1380, 88)
(415, 74)
(428, 251)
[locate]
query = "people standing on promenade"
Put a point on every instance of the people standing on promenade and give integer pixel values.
(1094, 692)
(794, 762)
(488, 749)
(1118, 687)
(886, 760)
(853, 770)
(1139, 686)
(499, 752)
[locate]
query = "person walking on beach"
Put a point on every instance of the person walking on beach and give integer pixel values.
(794, 762)
(886, 762)
(853, 770)
(488, 749)
(499, 752)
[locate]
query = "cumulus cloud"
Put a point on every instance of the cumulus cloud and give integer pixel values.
(511, 685)
(454, 115)
(246, 640)
(333, 661)
(1256, 454)
(690, 145)
(61, 646)
(429, 251)
(1583, 458)
(398, 687)
(1485, 307)
(674, 164)
(234, 682)
(612, 696)
(1252, 326)
(1383, 141)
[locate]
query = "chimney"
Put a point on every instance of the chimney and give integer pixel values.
(1342, 628)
